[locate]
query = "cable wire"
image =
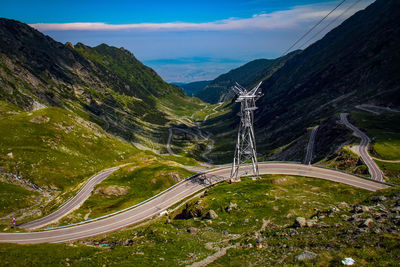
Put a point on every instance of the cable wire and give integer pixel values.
(319, 22)
(344, 12)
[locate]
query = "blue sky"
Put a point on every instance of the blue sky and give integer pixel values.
(182, 40)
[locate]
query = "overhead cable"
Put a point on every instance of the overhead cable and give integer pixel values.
(344, 12)
(310, 30)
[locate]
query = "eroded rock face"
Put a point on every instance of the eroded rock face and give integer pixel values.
(112, 190)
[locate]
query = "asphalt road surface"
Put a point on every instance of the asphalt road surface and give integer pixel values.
(373, 169)
(310, 146)
(176, 194)
(71, 204)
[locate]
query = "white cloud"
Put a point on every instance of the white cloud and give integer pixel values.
(265, 21)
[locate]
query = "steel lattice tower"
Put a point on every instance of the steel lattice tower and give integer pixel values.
(246, 142)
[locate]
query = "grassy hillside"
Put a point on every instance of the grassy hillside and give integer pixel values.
(54, 148)
(259, 231)
(13, 197)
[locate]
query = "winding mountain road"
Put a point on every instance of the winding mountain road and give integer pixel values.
(72, 204)
(373, 168)
(185, 189)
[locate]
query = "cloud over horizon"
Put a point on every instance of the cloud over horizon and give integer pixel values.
(284, 19)
(190, 51)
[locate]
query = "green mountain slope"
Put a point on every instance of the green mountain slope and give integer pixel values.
(55, 148)
(247, 75)
(104, 84)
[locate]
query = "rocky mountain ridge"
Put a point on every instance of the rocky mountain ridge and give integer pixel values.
(103, 84)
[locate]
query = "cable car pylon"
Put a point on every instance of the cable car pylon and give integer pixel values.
(246, 143)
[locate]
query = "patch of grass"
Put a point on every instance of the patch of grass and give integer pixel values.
(44, 254)
(13, 197)
(391, 171)
(182, 160)
(384, 129)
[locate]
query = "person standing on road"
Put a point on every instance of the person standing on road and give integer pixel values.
(13, 222)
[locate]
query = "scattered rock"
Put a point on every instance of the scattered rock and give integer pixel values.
(231, 206)
(321, 225)
(343, 205)
(379, 198)
(334, 210)
(279, 180)
(211, 214)
(310, 223)
(209, 246)
(367, 223)
(300, 222)
(360, 209)
(193, 230)
(305, 256)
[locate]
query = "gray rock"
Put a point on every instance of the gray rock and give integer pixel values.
(367, 223)
(334, 210)
(311, 223)
(360, 209)
(300, 222)
(343, 205)
(193, 230)
(395, 210)
(231, 206)
(211, 214)
(305, 256)
(321, 225)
